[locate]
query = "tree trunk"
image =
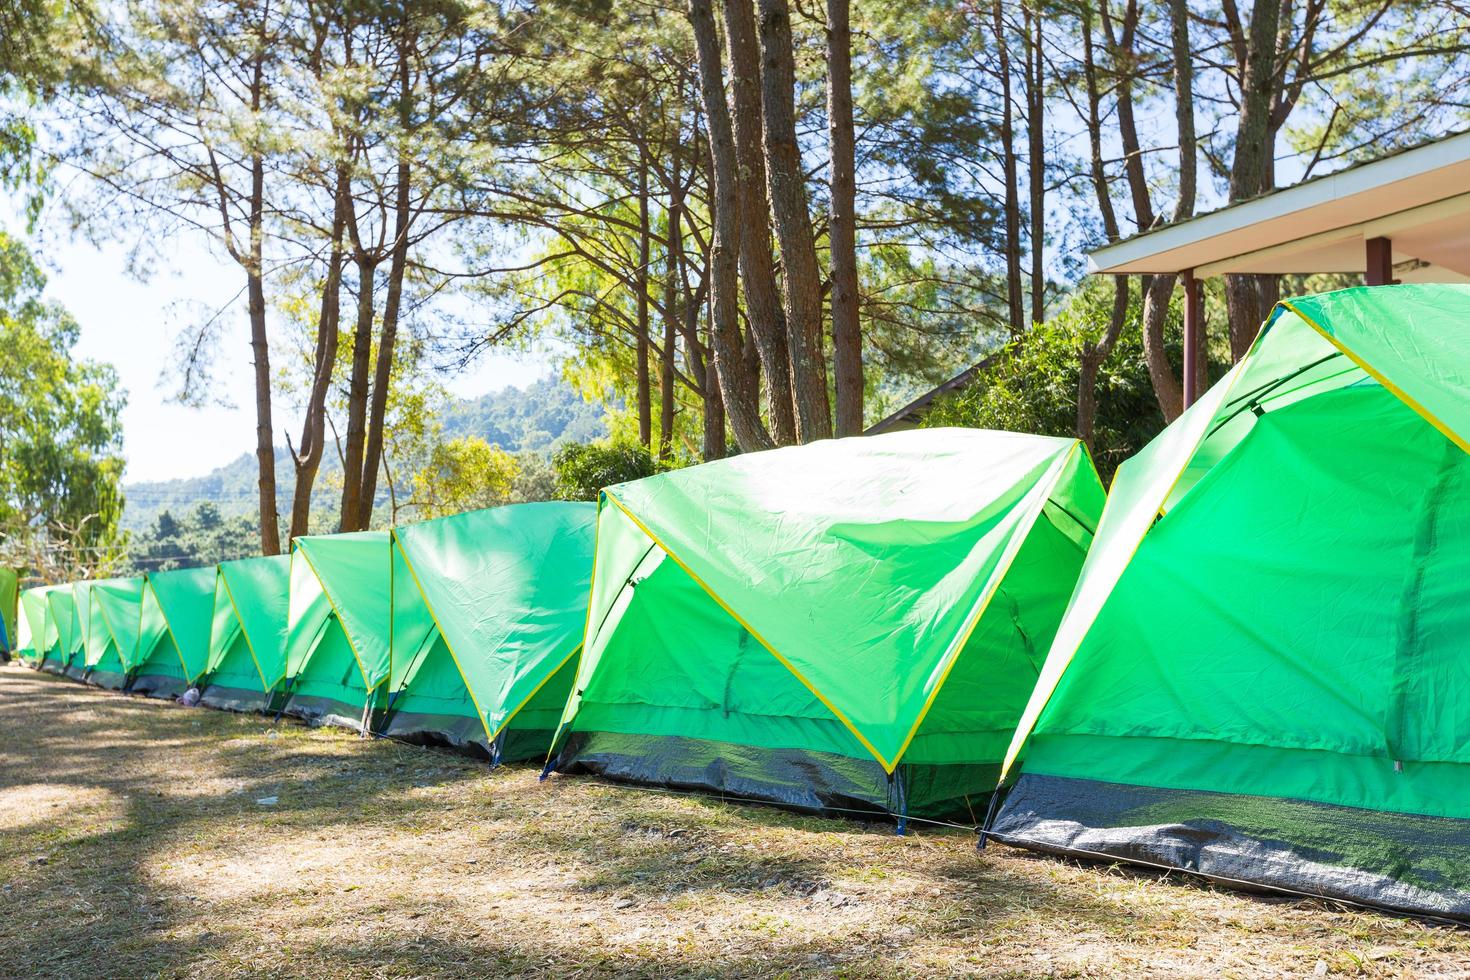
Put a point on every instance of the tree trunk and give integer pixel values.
(714, 423)
(1184, 107)
(265, 448)
(383, 364)
(1092, 357)
(393, 303)
(673, 246)
(644, 395)
(308, 456)
(1252, 165)
(1036, 166)
(757, 264)
(1014, 312)
(739, 394)
(357, 395)
(847, 338)
(1183, 55)
(786, 181)
(1125, 64)
(1091, 360)
(1157, 291)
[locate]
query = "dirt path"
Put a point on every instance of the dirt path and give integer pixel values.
(133, 842)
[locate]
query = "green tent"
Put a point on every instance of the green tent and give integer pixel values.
(112, 630)
(34, 623)
(247, 639)
(851, 624)
(1262, 676)
(337, 638)
(488, 612)
(175, 612)
(9, 607)
(56, 643)
(74, 636)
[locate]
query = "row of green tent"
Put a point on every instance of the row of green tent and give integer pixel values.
(722, 626)
(456, 631)
(1253, 663)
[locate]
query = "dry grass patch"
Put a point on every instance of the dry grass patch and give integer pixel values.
(133, 843)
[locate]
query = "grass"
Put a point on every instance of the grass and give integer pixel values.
(133, 843)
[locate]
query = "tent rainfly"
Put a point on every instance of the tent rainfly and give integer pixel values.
(851, 624)
(34, 622)
(247, 639)
(57, 641)
(337, 640)
(175, 612)
(73, 651)
(9, 607)
(1262, 675)
(112, 630)
(488, 613)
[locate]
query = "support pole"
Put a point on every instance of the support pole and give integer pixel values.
(1194, 330)
(1379, 269)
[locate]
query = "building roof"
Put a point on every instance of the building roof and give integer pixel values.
(1419, 198)
(912, 415)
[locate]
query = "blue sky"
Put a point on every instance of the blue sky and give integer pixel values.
(132, 324)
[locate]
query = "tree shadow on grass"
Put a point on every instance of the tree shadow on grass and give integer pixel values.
(98, 786)
(159, 859)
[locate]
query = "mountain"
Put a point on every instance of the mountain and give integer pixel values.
(537, 418)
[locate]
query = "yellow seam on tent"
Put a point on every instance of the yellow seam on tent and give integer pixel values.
(1398, 392)
(1019, 742)
(484, 723)
(419, 649)
(265, 688)
(172, 637)
(65, 652)
(563, 722)
(984, 603)
(79, 635)
(46, 628)
(110, 631)
(536, 690)
(336, 612)
(138, 634)
(887, 767)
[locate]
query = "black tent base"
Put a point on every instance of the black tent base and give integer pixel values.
(1398, 862)
(76, 672)
(455, 732)
(465, 735)
(324, 711)
(796, 779)
(112, 680)
(53, 666)
(235, 698)
(163, 686)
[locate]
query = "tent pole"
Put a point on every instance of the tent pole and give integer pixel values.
(1193, 337)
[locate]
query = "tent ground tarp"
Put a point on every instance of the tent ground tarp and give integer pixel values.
(337, 645)
(488, 613)
(852, 624)
(175, 613)
(247, 638)
(1296, 715)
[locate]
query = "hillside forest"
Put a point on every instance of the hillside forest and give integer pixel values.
(739, 224)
